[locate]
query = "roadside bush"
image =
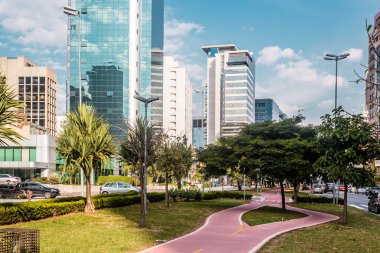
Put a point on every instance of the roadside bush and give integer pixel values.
(126, 179)
(54, 178)
(226, 195)
(26, 211)
(317, 199)
(42, 180)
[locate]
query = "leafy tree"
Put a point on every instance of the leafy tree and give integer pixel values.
(346, 141)
(85, 143)
(174, 160)
(10, 114)
(281, 150)
(132, 152)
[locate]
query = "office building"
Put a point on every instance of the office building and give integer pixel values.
(177, 100)
(120, 48)
(35, 156)
(372, 90)
(36, 86)
(230, 90)
(268, 110)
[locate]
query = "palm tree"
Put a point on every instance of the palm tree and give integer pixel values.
(10, 114)
(86, 143)
(132, 152)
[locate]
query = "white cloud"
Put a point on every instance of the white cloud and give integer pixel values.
(174, 27)
(326, 104)
(195, 71)
(356, 54)
(37, 23)
(270, 55)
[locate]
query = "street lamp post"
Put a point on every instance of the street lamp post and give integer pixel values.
(336, 58)
(76, 13)
(146, 101)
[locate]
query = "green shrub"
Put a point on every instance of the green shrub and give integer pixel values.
(226, 195)
(126, 179)
(20, 212)
(54, 178)
(316, 199)
(42, 180)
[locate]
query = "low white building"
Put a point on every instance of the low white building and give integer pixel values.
(33, 157)
(177, 97)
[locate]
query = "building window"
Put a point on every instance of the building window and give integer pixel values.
(27, 80)
(32, 154)
(42, 80)
(21, 80)
(109, 93)
(35, 80)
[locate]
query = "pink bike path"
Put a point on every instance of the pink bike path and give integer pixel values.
(224, 231)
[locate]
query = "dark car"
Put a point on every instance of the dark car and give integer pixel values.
(329, 187)
(7, 191)
(37, 189)
(372, 190)
(374, 203)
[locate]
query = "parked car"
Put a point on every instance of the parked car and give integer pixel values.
(353, 189)
(37, 189)
(329, 187)
(7, 178)
(374, 189)
(318, 189)
(374, 203)
(361, 190)
(117, 187)
(7, 190)
(341, 188)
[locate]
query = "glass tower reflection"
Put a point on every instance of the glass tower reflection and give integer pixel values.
(105, 56)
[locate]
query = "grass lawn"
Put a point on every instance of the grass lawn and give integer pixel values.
(361, 234)
(269, 214)
(116, 229)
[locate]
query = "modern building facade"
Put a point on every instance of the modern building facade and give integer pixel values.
(118, 42)
(33, 157)
(36, 86)
(177, 98)
(372, 91)
(230, 90)
(268, 110)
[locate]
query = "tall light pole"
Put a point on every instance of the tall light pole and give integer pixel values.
(76, 13)
(146, 101)
(203, 92)
(336, 58)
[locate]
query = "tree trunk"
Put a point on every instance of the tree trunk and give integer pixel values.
(345, 211)
(179, 186)
(282, 196)
(222, 184)
(89, 207)
(142, 198)
(166, 190)
(295, 191)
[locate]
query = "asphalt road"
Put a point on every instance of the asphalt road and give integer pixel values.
(358, 201)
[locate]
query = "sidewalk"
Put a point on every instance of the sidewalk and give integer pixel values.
(224, 231)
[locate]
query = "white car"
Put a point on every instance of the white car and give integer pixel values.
(7, 178)
(318, 189)
(118, 187)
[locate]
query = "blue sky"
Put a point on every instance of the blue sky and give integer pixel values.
(287, 37)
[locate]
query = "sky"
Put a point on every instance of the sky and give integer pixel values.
(288, 39)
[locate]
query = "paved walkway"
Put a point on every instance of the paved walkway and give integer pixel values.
(224, 231)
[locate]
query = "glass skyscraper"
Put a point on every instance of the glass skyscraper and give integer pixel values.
(117, 41)
(268, 110)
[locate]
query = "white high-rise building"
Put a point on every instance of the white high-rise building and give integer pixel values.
(177, 97)
(230, 90)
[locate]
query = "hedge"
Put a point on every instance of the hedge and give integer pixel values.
(316, 199)
(126, 179)
(226, 194)
(35, 210)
